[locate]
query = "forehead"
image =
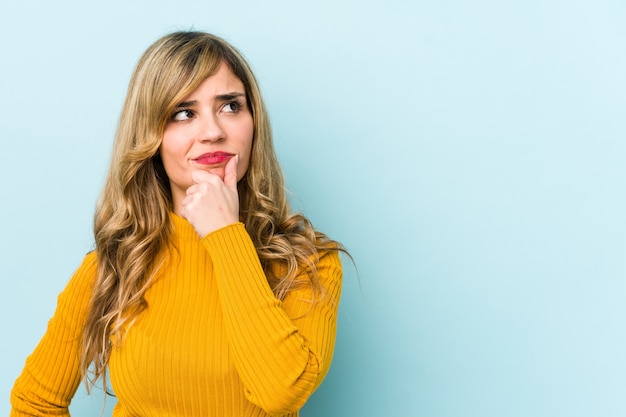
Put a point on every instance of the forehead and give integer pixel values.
(221, 81)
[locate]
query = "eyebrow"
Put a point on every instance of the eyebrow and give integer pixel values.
(219, 97)
(229, 96)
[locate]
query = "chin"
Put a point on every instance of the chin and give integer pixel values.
(219, 171)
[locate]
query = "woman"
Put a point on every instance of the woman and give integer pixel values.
(205, 295)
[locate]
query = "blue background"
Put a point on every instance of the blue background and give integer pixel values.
(469, 154)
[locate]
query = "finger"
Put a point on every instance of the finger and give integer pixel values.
(188, 199)
(199, 176)
(192, 189)
(230, 172)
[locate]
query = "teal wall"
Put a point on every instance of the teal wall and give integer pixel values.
(469, 154)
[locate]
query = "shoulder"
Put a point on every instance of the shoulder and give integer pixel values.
(329, 267)
(90, 260)
(88, 267)
(324, 263)
(79, 288)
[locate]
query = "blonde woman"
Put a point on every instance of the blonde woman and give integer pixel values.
(205, 295)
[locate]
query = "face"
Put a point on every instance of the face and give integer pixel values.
(210, 126)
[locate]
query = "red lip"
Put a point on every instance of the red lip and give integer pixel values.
(213, 158)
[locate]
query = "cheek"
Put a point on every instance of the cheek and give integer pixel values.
(169, 157)
(243, 164)
(246, 150)
(165, 157)
(172, 148)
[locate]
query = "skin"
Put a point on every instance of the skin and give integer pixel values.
(213, 118)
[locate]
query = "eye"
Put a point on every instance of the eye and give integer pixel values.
(182, 115)
(232, 107)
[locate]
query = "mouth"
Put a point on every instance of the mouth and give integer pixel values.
(213, 158)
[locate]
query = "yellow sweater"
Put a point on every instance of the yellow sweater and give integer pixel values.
(214, 341)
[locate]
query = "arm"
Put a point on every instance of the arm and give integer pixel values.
(282, 350)
(51, 374)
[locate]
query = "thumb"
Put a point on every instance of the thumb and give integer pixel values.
(230, 172)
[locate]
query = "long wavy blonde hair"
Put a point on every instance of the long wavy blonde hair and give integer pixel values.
(132, 223)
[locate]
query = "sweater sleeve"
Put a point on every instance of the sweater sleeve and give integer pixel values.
(282, 350)
(51, 374)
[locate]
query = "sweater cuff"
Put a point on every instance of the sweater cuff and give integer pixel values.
(227, 238)
(232, 245)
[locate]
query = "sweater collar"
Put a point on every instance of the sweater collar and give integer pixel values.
(183, 228)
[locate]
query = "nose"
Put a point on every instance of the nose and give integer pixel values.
(210, 129)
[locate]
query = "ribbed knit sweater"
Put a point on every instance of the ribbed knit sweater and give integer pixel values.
(213, 341)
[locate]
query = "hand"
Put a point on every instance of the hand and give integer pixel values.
(211, 203)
